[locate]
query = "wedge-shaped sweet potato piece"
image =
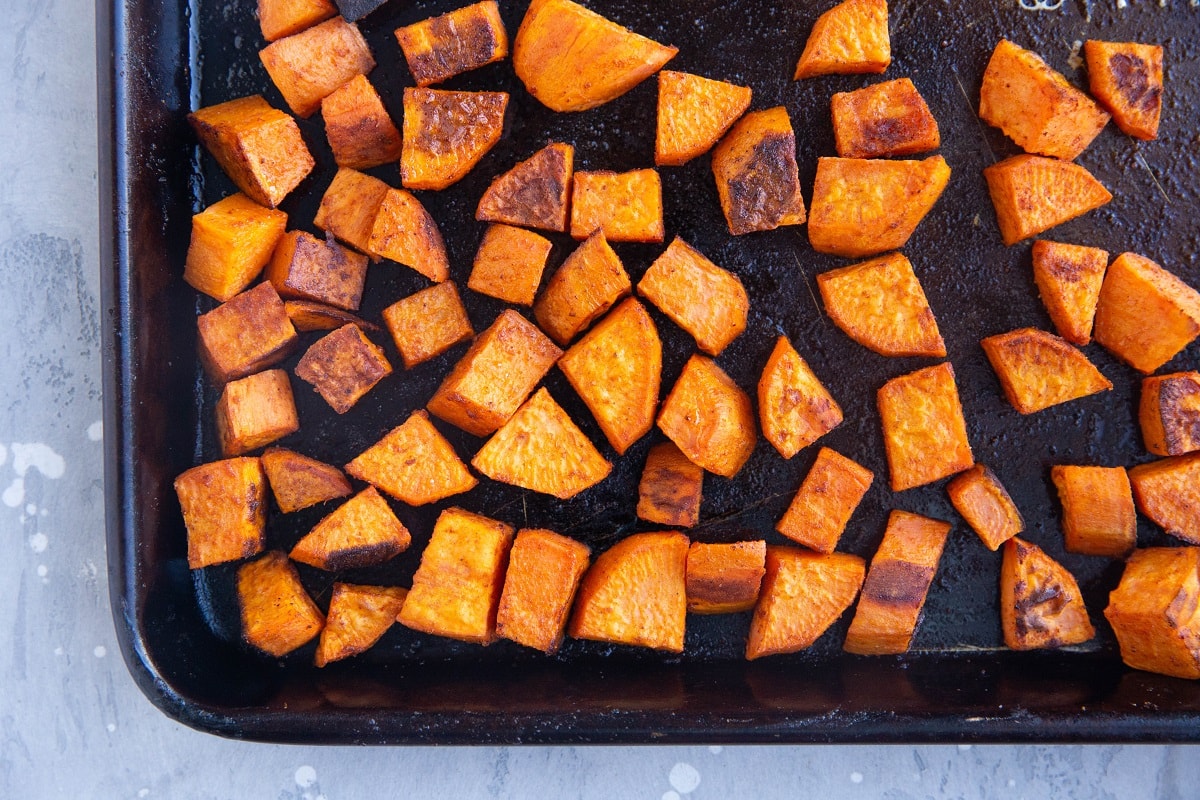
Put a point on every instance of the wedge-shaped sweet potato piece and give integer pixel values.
(1098, 517)
(405, 232)
(1127, 79)
(361, 532)
(849, 39)
(573, 59)
(466, 38)
(304, 267)
(349, 207)
(308, 66)
(534, 193)
(456, 589)
(246, 334)
(861, 207)
(794, 408)
(343, 366)
(896, 586)
(636, 593)
(495, 376)
(1038, 370)
(543, 450)
(587, 284)
(509, 264)
(724, 578)
(924, 433)
(693, 113)
(1146, 315)
(446, 133)
(298, 481)
(1154, 611)
(279, 18)
(361, 134)
(708, 302)
(224, 507)
(544, 570)
(709, 417)
(617, 369)
(1032, 194)
(670, 489)
(277, 614)
(358, 617)
(802, 595)
(1068, 278)
(414, 464)
(1040, 603)
(1036, 106)
(758, 182)
(986, 505)
(255, 411)
(232, 240)
(428, 323)
(827, 498)
(309, 316)
(1168, 492)
(1169, 413)
(880, 304)
(626, 206)
(886, 119)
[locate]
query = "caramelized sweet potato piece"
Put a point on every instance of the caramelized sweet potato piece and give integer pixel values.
(359, 130)
(669, 492)
(1033, 194)
(349, 207)
(405, 232)
(827, 498)
(361, 532)
(1098, 517)
(709, 417)
(794, 408)
(414, 464)
(626, 206)
(298, 481)
(309, 316)
(232, 240)
(544, 570)
(1168, 492)
(343, 366)
(1154, 611)
(724, 578)
(587, 284)
(279, 18)
(1169, 413)
(1040, 603)
(509, 264)
(358, 617)
(1146, 315)
(924, 432)
(446, 133)
(693, 113)
(758, 182)
(1038, 370)
(467, 38)
(1068, 278)
(849, 39)
(1127, 79)
(255, 411)
(306, 268)
(534, 193)
(428, 323)
(277, 614)
(246, 334)
(886, 119)
(986, 505)
(224, 507)
(308, 66)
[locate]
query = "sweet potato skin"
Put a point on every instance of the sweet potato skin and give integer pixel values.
(1168, 492)
(1169, 413)
(1031, 194)
(1038, 370)
(544, 571)
(925, 435)
(277, 614)
(986, 505)
(883, 120)
(467, 38)
(224, 506)
(693, 113)
(709, 417)
(724, 578)
(1127, 79)
(1153, 611)
(670, 489)
(1145, 315)
(794, 408)
(826, 500)
(758, 181)
(1040, 603)
(1098, 517)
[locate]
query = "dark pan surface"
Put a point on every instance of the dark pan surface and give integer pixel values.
(180, 628)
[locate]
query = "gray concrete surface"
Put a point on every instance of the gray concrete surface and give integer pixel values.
(72, 723)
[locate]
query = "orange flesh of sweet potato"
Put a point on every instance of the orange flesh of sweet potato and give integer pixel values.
(758, 182)
(850, 38)
(361, 532)
(358, 618)
(246, 334)
(794, 408)
(1127, 79)
(359, 130)
(924, 432)
(308, 66)
(573, 59)
(428, 323)
(1146, 315)
(708, 302)
(1168, 492)
(802, 595)
(447, 133)
(277, 614)
(616, 369)
(886, 119)
(861, 207)
(456, 589)
(896, 586)
(414, 464)
(224, 507)
(1169, 413)
(255, 411)
(1038, 370)
(636, 593)
(543, 450)
(587, 284)
(1154, 611)
(1032, 194)
(544, 570)
(1098, 517)
(724, 578)
(1040, 603)
(467, 38)
(404, 232)
(279, 18)
(298, 481)
(1068, 278)
(709, 417)
(693, 113)
(827, 498)
(232, 240)
(669, 492)
(509, 264)
(626, 206)
(880, 304)
(306, 268)
(309, 316)
(343, 366)
(534, 193)
(986, 505)
(349, 207)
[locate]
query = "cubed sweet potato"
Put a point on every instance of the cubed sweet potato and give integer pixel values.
(466, 38)
(758, 182)
(224, 507)
(986, 505)
(349, 207)
(708, 302)
(279, 18)
(414, 464)
(232, 240)
(587, 284)
(886, 119)
(709, 417)
(404, 232)
(1040, 603)
(544, 570)
(1098, 517)
(534, 193)
(307, 268)
(309, 316)
(626, 206)
(670, 489)
(724, 578)
(361, 532)
(255, 411)
(358, 617)
(1032, 194)
(1146, 315)
(794, 407)
(1154, 611)
(308, 66)
(343, 366)
(1127, 79)
(361, 134)
(428, 323)
(246, 334)
(277, 614)
(924, 433)
(298, 481)
(827, 498)
(447, 133)
(1168, 492)
(1038, 370)
(1068, 278)
(1169, 413)
(693, 113)
(849, 39)
(509, 264)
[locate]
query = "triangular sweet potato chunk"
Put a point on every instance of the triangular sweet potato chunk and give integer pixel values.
(446, 133)
(708, 302)
(693, 113)
(848, 39)
(358, 617)
(404, 232)
(363, 531)
(1038, 370)
(299, 481)
(1127, 79)
(1040, 603)
(277, 614)
(1068, 278)
(1032, 194)
(709, 417)
(1146, 314)
(414, 463)
(794, 408)
(587, 284)
(534, 193)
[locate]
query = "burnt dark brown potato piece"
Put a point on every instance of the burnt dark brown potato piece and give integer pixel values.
(757, 178)
(533, 194)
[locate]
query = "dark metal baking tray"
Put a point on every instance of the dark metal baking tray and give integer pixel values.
(158, 60)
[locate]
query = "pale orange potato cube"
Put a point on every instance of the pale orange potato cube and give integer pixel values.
(1040, 603)
(924, 433)
(670, 488)
(232, 240)
(404, 232)
(886, 119)
(307, 315)
(1032, 194)
(693, 113)
(587, 284)
(544, 571)
(361, 532)
(414, 464)
(1127, 79)
(794, 407)
(1098, 517)
(709, 417)
(277, 614)
(626, 206)
(1169, 413)
(298, 481)
(358, 617)
(1038, 370)
(246, 334)
(1068, 278)
(349, 207)
(428, 323)
(986, 505)
(758, 181)
(724, 578)
(1154, 614)
(447, 133)
(255, 411)
(850, 38)
(361, 134)
(509, 264)
(304, 267)
(828, 497)
(1168, 492)
(308, 66)
(1146, 315)
(224, 506)
(708, 302)
(464, 39)
(534, 193)
(343, 366)
(279, 18)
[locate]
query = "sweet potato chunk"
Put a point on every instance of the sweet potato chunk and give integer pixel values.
(279, 18)
(827, 498)
(693, 113)
(414, 464)
(255, 411)
(626, 206)
(616, 370)
(1035, 106)
(232, 240)
(986, 505)
(587, 284)
(349, 207)
(724, 578)
(405, 232)
(298, 481)
(456, 589)
(1033, 194)
(1038, 370)
(428, 323)
(309, 316)
(307, 268)
(924, 432)
(887, 119)
(544, 570)
(708, 302)
(308, 66)
(358, 617)
(543, 450)
(573, 59)
(709, 417)
(1068, 278)
(224, 507)
(669, 492)
(1127, 79)
(794, 408)
(246, 334)
(509, 264)
(1098, 517)
(359, 130)
(361, 532)
(849, 39)
(343, 366)
(880, 304)
(636, 593)
(758, 182)
(1146, 315)
(467, 38)
(446, 133)
(861, 207)
(1154, 613)
(277, 614)
(802, 595)
(534, 193)
(1168, 492)
(1040, 603)
(1170, 413)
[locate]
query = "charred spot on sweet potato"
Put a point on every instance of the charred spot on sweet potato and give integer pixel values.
(754, 202)
(1129, 74)
(898, 583)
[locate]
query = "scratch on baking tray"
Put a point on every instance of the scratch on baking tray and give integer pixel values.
(1141, 160)
(808, 286)
(735, 514)
(978, 123)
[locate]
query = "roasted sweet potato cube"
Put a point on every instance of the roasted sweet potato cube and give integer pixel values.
(794, 408)
(573, 59)
(1154, 611)
(232, 240)
(426, 324)
(298, 481)
(361, 134)
(349, 207)
(587, 284)
(343, 366)
(544, 570)
(534, 193)
(414, 464)
(307, 268)
(255, 411)
(724, 578)
(1168, 492)
(802, 595)
(279, 18)
(456, 589)
(758, 182)
(709, 417)
(849, 39)
(259, 147)
(1040, 603)
(636, 593)
(1032, 194)
(446, 133)
(670, 490)
(404, 232)
(509, 264)
(617, 369)
(693, 113)
(886, 119)
(361, 532)
(1038, 370)
(246, 334)
(224, 507)
(827, 498)
(1068, 278)
(1127, 79)
(498, 372)
(924, 433)
(309, 316)
(861, 207)
(277, 614)
(1170, 413)
(307, 67)
(986, 505)
(543, 450)
(625, 206)
(358, 617)
(1098, 517)
(708, 302)
(1146, 315)
(467, 38)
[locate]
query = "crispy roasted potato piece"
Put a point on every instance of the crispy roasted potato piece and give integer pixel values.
(1068, 278)
(1169, 413)
(708, 302)
(886, 119)
(447, 133)
(534, 193)
(709, 417)
(1040, 603)
(277, 614)
(1168, 492)
(1098, 517)
(349, 207)
(587, 284)
(224, 507)
(1146, 315)
(405, 232)
(359, 130)
(307, 268)
(849, 39)
(626, 206)
(1038, 370)
(669, 492)
(358, 617)
(924, 432)
(428, 323)
(794, 408)
(232, 240)
(308, 66)
(414, 464)
(1127, 79)
(827, 498)
(544, 570)
(361, 532)
(509, 264)
(1154, 611)
(309, 316)
(1032, 194)
(246, 334)
(343, 366)
(724, 578)
(986, 505)
(298, 481)
(279, 18)
(467, 38)
(693, 113)
(758, 182)
(255, 411)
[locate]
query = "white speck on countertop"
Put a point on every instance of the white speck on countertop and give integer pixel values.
(3, 454)
(39, 542)
(95, 431)
(684, 778)
(99, 652)
(143, 792)
(110, 727)
(38, 456)
(670, 796)
(14, 495)
(715, 749)
(42, 570)
(856, 777)
(306, 776)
